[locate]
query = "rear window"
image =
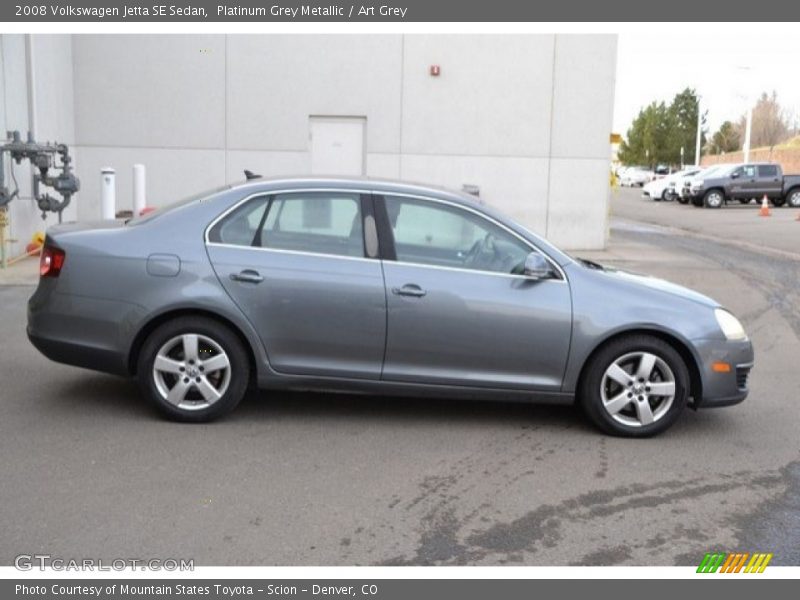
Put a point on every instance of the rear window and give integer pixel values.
(162, 210)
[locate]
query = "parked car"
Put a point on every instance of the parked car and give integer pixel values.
(664, 188)
(746, 182)
(378, 287)
(685, 183)
(636, 177)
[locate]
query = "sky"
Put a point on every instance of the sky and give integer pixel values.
(726, 70)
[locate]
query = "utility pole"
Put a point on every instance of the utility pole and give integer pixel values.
(748, 128)
(699, 133)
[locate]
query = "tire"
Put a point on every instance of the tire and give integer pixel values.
(682, 200)
(664, 196)
(697, 202)
(793, 198)
(203, 394)
(778, 202)
(628, 416)
(713, 199)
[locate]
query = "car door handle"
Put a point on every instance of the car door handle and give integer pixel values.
(409, 289)
(247, 276)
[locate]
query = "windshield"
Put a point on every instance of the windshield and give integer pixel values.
(138, 220)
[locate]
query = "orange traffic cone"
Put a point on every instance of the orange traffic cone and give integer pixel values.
(798, 217)
(764, 212)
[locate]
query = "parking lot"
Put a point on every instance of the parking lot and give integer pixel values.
(341, 480)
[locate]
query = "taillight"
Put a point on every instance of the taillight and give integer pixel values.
(51, 261)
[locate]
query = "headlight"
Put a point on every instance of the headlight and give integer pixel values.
(729, 325)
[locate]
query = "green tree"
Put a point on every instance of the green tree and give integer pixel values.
(682, 127)
(726, 139)
(645, 142)
(659, 131)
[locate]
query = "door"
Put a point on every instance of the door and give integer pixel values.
(460, 312)
(770, 181)
(744, 182)
(295, 265)
(337, 145)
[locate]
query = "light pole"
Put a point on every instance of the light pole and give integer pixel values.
(699, 133)
(748, 127)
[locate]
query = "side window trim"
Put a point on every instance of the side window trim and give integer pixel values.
(387, 244)
(260, 228)
(384, 227)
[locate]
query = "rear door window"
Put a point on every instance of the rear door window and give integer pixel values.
(318, 222)
(767, 171)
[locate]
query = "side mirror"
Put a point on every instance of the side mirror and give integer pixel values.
(536, 266)
(735, 175)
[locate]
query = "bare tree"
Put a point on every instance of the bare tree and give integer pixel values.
(772, 124)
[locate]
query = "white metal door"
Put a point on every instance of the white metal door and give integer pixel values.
(337, 145)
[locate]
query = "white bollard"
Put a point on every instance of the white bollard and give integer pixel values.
(108, 193)
(139, 182)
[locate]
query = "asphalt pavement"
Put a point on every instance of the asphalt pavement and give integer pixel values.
(89, 470)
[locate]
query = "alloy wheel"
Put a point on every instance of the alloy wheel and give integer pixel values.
(638, 389)
(191, 371)
(794, 199)
(714, 200)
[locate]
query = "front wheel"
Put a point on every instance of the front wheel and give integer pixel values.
(636, 386)
(778, 202)
(193, 369)
(713, 199)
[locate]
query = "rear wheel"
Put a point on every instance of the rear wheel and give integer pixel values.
(636, 386)
(193, 369)
(713, 199)
(793, 198)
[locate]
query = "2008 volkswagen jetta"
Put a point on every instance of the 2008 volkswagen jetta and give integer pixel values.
(378, 287)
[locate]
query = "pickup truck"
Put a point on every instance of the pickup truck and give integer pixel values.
(744, 182)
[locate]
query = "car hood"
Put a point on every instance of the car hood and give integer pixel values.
(653, 283)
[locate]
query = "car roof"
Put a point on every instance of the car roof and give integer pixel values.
(392, 186)
(376, 184)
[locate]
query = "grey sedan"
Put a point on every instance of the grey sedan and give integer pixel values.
(375, 287)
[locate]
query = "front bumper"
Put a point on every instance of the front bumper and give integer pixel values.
(723, 388)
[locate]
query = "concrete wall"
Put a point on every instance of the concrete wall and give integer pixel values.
(525, 117)
(37, 95)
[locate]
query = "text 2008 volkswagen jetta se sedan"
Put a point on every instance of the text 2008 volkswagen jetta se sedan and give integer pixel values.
(380, 287)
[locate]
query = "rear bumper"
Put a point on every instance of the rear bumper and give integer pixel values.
(79, 355)
(724, 388)
(79, 331)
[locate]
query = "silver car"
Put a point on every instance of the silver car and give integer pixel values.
(374, 287)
